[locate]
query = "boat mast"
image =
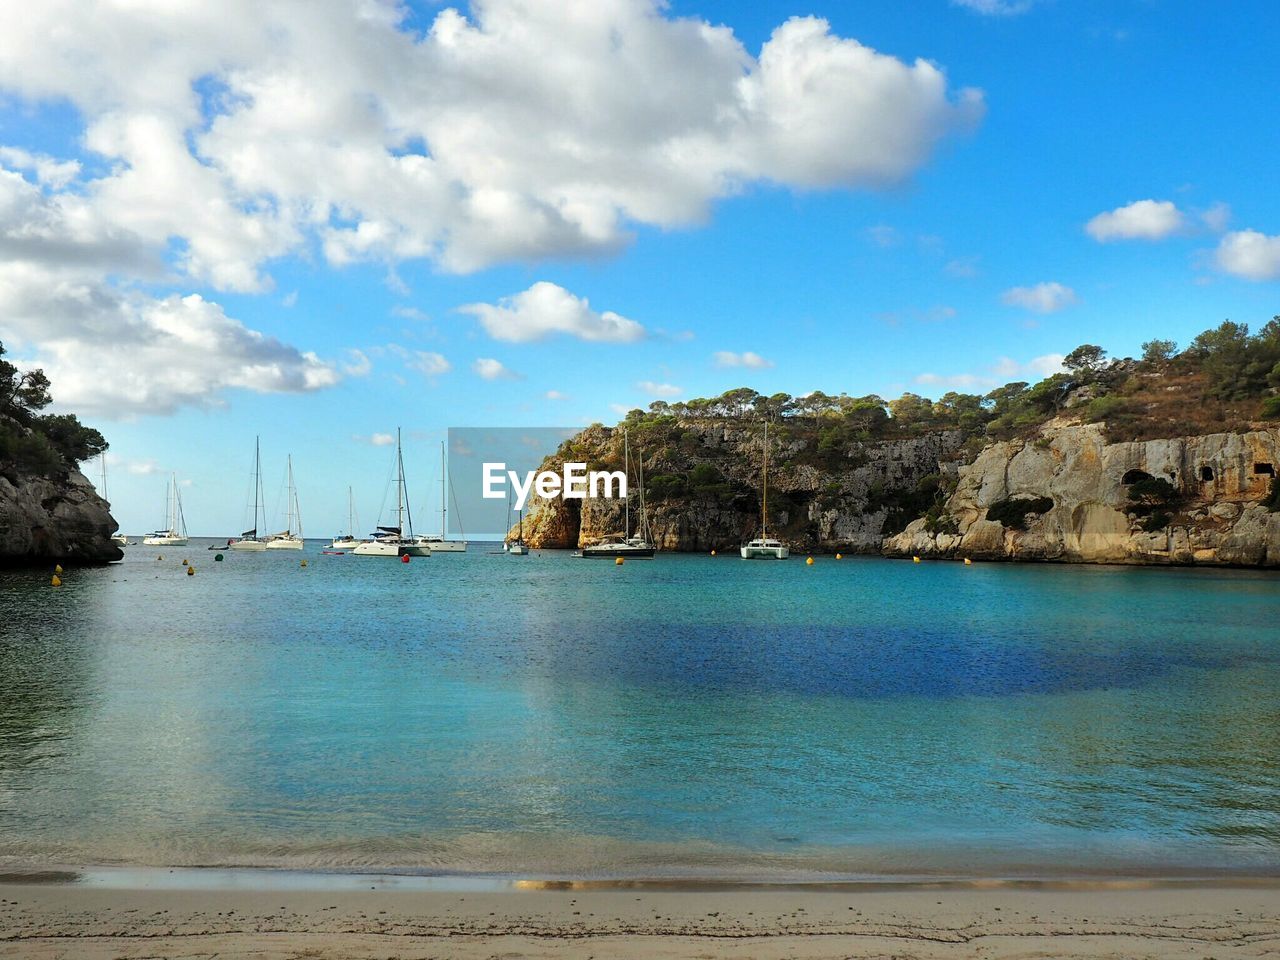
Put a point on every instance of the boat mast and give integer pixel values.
(443, 496)
(351, 514)
(644, 518)
(764, 505)
(288, 520)
(399, 486)
(258, 506)
(626, 469)
(171, 503)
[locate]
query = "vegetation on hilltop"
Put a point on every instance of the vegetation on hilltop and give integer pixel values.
(1224, 380)
(33, 442)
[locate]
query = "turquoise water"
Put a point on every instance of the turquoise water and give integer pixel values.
(689, 716)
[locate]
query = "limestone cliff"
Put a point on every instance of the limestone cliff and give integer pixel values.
(1217, 515)
(929, 495)
(47, 519)
(703, 484)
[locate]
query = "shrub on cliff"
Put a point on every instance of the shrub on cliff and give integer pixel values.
(1013, 512)
(35, 442)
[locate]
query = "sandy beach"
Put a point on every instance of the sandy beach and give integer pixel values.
(58, 920)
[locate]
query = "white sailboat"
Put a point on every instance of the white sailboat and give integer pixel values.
(631, 547)
(119, 539)
(394, 541)
(349, 540)
(441, 543)
(174, 533)
(765, 547)
(287, 539)
(517, 547)
(249, 540)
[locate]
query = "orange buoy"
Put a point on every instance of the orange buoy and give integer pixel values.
(809, 562)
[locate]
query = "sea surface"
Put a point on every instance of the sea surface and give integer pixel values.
(690, 716)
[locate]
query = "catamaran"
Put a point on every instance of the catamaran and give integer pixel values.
(638, 546)
(764, 546)
(249, 540)
(349, 541)
(441, 543)
(174, 533)
(287, 539)
(394, 541)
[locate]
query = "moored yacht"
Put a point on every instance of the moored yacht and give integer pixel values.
(249, 541)
(287, 539)
(347, 541)
(174, 533)
(440, 543)
(394, 541)
(765, 547)
(626, 545)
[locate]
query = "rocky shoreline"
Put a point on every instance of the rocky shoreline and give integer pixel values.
(54, 520)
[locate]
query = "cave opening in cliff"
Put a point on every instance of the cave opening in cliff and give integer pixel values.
(1133, 476)
(1206, 473)
(1264, 470)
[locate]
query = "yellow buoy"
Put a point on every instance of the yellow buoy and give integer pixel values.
(57, 568)
(617, 562)
(968, 562)
(191, 571)
(915, 559)
(185, 563)
(713, 553)
(809, 562)
(159, 558)
(56, 581)
(839, 556)
(304, 563)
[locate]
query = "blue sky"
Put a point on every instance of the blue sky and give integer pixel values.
(859, 223)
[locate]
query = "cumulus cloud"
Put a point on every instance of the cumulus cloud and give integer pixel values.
(1041, 298)
(1004, 370)
(531, 129)
(375, 439)
(426, 362)
(753, 361)
(659, 389)
(545, 309)
(358, 364)
(1250, 254)
(120, 354)
(555, 395)
(489, 369)
(995, 8)
(1140, 220)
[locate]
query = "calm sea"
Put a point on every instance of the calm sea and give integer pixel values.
(688, 716)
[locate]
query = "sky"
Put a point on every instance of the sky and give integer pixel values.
(316, 221)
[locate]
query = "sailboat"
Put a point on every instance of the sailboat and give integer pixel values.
(287, 539)
(517, 547)
(174, 533)
(765, 547)
(249, 540)
(119, 539)
(637, 547)
(439, 544)
(348, 541)
(393, 541)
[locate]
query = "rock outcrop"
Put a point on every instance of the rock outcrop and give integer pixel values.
(1216, 517)
(48, 519)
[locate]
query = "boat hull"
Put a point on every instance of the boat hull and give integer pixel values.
(344, 544)
(765, 553)
(384, 548)
(606, 552)
(445, 546)
(518, 550)
(165, 541)
(285, 543)
(247, 546)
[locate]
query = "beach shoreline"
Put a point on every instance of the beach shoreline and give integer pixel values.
(56, 919)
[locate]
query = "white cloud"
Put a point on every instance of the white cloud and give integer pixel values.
(555, 395)
(537, 128)
(995, 8)
(426, 362)
(1043, 366)
(1002, 371)
(1217, 217)
(1140, 220)
(382, 439)
(659, 389)
(545, 309)
(883, 235)
(289, 300)
(48, 171)
(963, 268)
(1042, 298)
(727, 358)
(1250, 254)
(120, 354)
(142, 468)
(489, 369)
(358, 364)
(958, 381)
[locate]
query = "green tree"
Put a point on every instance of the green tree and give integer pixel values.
(1158, 351)
(1085, 359)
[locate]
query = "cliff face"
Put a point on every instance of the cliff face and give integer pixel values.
(705, 488)
(1217, 516)
(44, 519)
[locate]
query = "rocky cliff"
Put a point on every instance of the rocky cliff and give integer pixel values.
(48, 519)
(1215, 510)
(1065, 494)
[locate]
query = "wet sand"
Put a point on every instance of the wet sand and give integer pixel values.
(59, 920)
